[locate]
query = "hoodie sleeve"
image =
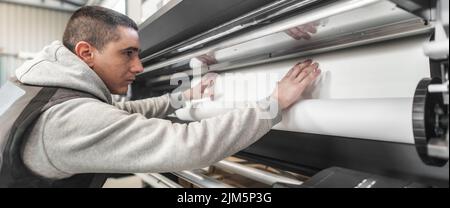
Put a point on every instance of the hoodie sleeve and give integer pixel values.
(158, 107)
(114, 141)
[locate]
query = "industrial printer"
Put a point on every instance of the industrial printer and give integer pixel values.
(377, 116)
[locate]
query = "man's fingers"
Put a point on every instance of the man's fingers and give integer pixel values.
(209, 92)
(310, 78)
(299, 68)
(290, 72)
(315, 24)
(308, 70)
(300, 65)
(211, 75)
(206, 80)
(305, 63)
(310, 28)
(294, 35)
(300, 32)
(208, 77)
(306, 36)
(206, 86)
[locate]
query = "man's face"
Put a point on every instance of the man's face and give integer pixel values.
(118, 63)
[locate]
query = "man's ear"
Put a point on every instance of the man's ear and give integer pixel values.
(85, 52)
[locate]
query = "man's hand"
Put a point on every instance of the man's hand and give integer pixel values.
(202, 89)
(303, 31)
(291, 87)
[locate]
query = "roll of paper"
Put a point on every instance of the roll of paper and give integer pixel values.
(364, 92)
(376, 119)
(388, 119)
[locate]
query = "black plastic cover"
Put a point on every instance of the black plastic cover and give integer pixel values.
(190, 18)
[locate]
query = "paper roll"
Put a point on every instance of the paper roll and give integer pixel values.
(364, 92)
(374, 119)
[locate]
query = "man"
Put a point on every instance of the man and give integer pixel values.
(99, 56)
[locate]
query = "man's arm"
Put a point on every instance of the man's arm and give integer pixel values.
(87, 136)
(99, 138)
(160, 107)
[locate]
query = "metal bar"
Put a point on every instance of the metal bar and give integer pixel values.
(157, 180)
(316, 50)
(321, 13)
(206, 34)
(275, 9)
(253, 23)
(201, 180)
(255, 174)
(411, 30)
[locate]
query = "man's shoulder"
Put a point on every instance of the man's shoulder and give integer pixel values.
(80, 114)
(82, 105)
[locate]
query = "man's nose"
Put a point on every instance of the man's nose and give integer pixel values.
(137, 67)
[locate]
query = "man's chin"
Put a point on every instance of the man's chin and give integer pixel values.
(123, 91)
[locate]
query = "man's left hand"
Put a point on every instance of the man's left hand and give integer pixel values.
(202, 90)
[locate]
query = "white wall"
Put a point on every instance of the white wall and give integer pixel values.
(26, 29)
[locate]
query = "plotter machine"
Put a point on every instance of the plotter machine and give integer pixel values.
(380, 107)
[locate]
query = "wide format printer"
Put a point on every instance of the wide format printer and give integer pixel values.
(380, 106)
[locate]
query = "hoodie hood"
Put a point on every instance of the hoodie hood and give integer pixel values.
(57, 66)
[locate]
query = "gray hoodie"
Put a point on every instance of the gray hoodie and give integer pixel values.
(88, 135)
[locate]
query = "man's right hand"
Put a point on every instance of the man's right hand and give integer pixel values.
(290, 89)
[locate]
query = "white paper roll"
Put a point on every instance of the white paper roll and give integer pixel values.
(364, 92)
(375, 119)
(387, 119)
(386, 70)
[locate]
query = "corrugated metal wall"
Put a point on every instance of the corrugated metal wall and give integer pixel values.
(26, 29)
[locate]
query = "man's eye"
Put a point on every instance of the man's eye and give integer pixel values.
(129, 53)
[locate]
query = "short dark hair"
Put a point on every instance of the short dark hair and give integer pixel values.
(95, 25)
